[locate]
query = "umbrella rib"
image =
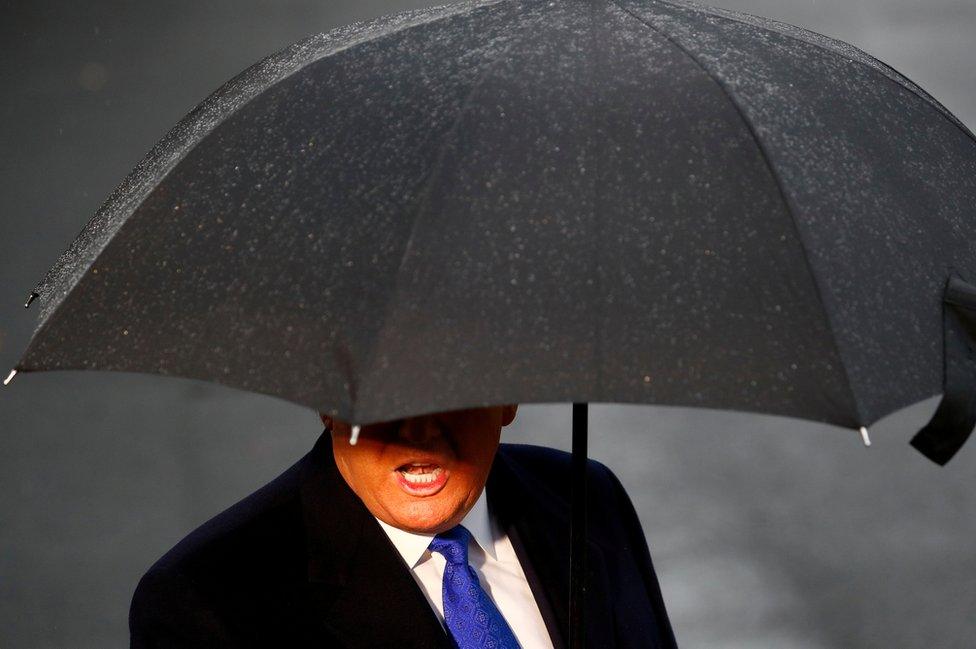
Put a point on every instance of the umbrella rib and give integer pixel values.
(599, 157)
(780, 188)
(427, 183)
(888, 72)
(203, 120)
(232, 96)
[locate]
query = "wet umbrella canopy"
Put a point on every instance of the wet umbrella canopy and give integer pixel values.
(492, 202)
(568, 200)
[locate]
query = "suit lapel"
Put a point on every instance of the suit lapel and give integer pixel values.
(360, 590)
(538, 523)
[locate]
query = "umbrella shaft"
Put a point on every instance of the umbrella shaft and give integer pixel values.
(577, 548)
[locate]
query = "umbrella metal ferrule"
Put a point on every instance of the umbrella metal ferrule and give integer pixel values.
(10, 377)
(30, 298)
(355, 436)
(865, 437)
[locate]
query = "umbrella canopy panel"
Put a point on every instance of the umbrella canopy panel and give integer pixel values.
(880, 179)
(520, 201)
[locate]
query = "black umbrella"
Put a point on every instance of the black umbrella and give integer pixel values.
(521, 201)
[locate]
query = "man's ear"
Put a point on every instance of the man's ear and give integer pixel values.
(508, 413)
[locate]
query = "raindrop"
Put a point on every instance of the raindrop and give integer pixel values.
(93, 76)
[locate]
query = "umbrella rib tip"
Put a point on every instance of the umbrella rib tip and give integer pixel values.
(355, 436)
(864, 436)
(10, 377)
(30, 299)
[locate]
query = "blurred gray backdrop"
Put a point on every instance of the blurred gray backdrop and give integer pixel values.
(766, 532)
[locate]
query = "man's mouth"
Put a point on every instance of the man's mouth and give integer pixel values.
(421, 478)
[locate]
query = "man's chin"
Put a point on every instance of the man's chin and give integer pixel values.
(424, 518)
(437, 529)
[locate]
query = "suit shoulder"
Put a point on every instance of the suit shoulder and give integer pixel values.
(219, 585)
(546, 458)
(550, 463)
(262, 521)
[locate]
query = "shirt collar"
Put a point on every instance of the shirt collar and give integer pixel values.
(412, 546)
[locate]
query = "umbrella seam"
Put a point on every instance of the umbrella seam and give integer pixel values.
(117, 199)
(779, 186)
(600, 155)
(211, 322)
(908, 84)
(426, 185)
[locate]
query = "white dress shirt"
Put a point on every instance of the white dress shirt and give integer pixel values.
(492, 556)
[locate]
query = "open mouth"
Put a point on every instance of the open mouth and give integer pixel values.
(421, 478)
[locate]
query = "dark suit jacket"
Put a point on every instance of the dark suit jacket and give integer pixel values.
(302, 563)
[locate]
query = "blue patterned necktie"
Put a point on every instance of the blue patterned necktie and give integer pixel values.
(472, 618)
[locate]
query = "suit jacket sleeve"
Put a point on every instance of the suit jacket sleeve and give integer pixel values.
(169, 612)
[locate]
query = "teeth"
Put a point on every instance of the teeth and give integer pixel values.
(421, 478)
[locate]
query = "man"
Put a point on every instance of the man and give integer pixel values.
(424, 533)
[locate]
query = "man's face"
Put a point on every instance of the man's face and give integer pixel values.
(421, 474)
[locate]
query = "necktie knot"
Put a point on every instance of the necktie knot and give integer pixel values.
(453, 545)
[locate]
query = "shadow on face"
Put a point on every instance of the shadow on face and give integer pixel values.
(421, 474)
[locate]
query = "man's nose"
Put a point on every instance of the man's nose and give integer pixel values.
(420, 430)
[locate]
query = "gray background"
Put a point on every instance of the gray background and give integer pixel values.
(766, 532)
